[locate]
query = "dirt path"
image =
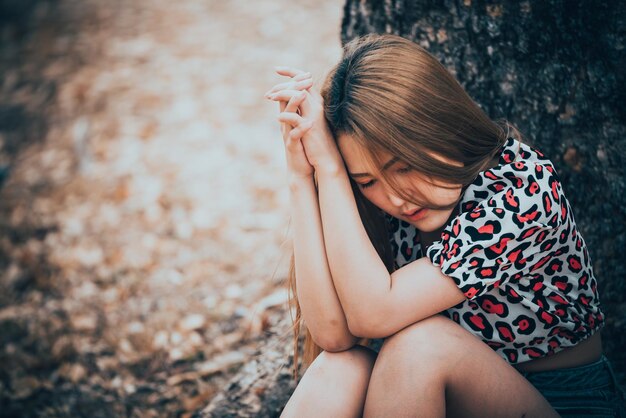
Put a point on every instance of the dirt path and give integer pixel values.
(143, 224)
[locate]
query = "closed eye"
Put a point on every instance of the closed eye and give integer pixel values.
(366, 185)
(404, 170)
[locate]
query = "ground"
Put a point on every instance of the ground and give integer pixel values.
(143, 203)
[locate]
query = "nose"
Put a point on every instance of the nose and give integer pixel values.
(395, 199)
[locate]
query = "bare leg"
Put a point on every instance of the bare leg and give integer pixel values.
(435, 368)
(334, 385)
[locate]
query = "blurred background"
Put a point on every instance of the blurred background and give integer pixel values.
(143, 202)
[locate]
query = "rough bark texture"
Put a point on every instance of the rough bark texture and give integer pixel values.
(555, 69)
(263, 386)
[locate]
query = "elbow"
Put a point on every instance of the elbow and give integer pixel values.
(360, 327)
(370, 326)
(335, 345)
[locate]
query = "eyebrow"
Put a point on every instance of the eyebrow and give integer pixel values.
(386, 166)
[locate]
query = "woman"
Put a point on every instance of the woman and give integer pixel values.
(421, 224)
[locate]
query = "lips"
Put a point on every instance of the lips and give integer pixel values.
(413, 212)
(415, 215)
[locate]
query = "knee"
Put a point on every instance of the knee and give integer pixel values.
(429, 340)
(358, 359)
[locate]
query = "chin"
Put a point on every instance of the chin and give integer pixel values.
(430, 225)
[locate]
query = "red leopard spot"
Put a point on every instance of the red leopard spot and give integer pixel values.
(527, 217)
(500, 247)
(547, 317)
(555, 193)
(510, 199)
(583, 280)
(456, 228)
(532, 352)
(541, 236)
(514, 255)
(491, 308)
(574, 263)
(486, 272)
(455, 265)
(541, 262)
(486, 229)
(530, 232)
(471, 293)
(506, 334)
(561, 285)
(558, 299)
(489, 174)
(547, 203)
(477, 321)
(538, 286)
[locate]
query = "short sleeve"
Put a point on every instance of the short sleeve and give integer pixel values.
(505, 236)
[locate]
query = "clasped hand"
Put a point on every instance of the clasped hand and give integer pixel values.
(309, 143)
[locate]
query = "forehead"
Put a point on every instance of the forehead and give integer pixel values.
(357, 157)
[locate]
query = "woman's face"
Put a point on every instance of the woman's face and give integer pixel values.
(384, 197)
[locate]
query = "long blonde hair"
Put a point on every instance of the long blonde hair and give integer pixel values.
(389, 94)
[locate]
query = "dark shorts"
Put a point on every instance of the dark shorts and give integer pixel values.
(588, 391)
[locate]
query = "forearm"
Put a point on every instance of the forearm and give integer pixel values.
(360, 276)
(320, 306)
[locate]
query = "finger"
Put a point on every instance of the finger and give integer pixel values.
(291, 85)
(301, 76)
(284, 95)
(299, 131)
(294, 102)
(291, 118)
(288, 71)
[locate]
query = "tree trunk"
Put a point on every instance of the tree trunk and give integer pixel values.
(263, 386)
(556, 70)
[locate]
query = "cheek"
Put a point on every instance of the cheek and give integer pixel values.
(374, 197)
(441, 195)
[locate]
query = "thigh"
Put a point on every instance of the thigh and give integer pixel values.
(437, 356)
(334, 385)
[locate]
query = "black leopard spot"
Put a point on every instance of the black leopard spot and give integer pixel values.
(525, 324)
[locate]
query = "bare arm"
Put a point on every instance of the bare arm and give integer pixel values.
(319, 304)
(318, 299)
(376, 303)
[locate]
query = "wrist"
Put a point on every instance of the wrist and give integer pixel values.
(299, 181)
(330, 170)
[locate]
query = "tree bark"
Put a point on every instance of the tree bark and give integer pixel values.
(556, 70)
(263, 386)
